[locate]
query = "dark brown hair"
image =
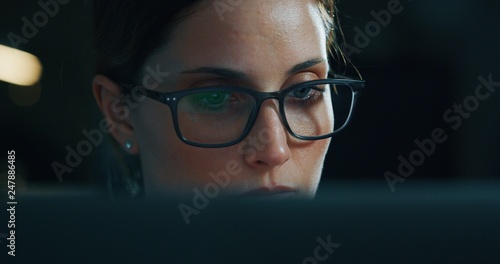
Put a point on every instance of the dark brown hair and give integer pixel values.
(128, 31)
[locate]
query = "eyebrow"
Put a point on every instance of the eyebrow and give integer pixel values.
(224, 72)
(305, 65)
(232, 74)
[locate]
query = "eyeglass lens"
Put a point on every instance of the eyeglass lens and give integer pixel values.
(219, 117)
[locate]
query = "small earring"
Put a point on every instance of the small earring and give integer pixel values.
(129, 144)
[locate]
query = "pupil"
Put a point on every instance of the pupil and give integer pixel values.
(302, 92)
(216, 98)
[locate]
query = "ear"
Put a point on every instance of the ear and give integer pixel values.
(110, 100)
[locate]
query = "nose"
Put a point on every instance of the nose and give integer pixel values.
(266, 146)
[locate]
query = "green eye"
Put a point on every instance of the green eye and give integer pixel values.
(212, 101)
(216, 98)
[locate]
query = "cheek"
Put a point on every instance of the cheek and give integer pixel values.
(153, 127)
(166, 160)
(157, 140)
(308, 152)
(318, 154)
(309, 159)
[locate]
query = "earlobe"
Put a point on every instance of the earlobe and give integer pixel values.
(108, 96)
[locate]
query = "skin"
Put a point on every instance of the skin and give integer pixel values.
(262, 40)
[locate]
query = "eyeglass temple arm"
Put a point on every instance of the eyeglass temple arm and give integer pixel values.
(357, 85)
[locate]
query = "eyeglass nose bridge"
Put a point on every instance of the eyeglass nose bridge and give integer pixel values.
(260, 98)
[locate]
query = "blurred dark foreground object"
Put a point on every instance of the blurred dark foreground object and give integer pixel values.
(355, 224)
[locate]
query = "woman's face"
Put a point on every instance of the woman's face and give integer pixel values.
(270, 45)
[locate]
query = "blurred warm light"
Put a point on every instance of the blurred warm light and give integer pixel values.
(19, 67)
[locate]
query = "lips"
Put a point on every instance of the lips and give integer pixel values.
(278, 192)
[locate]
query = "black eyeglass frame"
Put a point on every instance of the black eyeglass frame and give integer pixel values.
(172, 98)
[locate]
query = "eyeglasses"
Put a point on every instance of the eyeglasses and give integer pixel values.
(221, 116)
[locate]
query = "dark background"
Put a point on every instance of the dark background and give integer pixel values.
(428, 58)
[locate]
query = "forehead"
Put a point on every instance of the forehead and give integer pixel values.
(246, 34)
